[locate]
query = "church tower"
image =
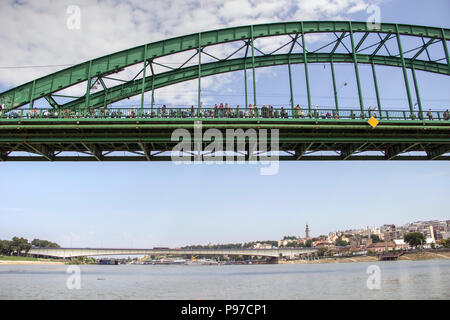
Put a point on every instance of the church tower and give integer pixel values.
(307, 231)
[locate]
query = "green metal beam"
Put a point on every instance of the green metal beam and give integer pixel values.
(377, 92)
(52, 102)
(416, 88)
(405, 74)
(355, 62)
(444, 43)
(171, 126)
(88, 86)
(290, 86)
(338, 42)
(424, 47)
(361, 41)
(143, 78)
(153, 85)
(388, 36)
(253, 67)
(199, 69)
(305, 61)
(334, 85)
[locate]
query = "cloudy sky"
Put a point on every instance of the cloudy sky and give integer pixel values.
(142, 205)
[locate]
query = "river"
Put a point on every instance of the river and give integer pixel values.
(428, 279)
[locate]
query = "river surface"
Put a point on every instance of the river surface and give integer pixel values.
(397, 280)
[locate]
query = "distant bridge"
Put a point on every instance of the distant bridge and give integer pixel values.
(80, 252)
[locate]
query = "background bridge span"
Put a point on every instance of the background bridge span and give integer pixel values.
(78, 252)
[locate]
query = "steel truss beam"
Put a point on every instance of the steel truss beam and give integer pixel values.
(436, 153)
(397, 149)
(145, 148)
(113, 63)
(94, 150)
(42, 150)
(349, 150)
(302, 149)
(3, 155)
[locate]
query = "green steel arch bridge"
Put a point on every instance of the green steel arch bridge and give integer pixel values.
(89, 128)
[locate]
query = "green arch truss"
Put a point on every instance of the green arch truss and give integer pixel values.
(103, 67)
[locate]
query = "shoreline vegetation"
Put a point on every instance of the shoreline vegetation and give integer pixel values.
(416, 256)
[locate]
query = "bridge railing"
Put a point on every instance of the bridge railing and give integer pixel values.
(223, 113)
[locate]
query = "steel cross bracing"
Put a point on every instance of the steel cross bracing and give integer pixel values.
(100, 137)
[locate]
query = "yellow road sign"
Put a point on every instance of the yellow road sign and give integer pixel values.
(373, 122)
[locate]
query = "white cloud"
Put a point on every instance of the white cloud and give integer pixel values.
(34, 33)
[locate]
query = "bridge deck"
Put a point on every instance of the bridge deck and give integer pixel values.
(76, 252)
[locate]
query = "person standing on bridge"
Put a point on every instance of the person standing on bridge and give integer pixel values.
(430, 115)
(238, 113)
(297, 111)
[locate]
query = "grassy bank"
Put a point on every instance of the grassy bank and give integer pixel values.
(25, 260)
(15, 258)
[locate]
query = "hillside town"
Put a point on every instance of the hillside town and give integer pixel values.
(369, 240)
(387, 237)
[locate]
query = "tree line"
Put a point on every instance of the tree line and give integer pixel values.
(20, 246)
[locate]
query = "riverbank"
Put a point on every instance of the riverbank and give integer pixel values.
(409, 256)
(27, 260)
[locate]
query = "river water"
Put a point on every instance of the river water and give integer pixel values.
(397, 280)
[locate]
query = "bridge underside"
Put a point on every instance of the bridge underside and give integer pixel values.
(151, 139)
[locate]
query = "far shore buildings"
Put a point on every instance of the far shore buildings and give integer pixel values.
(378, 239)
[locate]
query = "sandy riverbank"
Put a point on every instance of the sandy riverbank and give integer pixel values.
(410, 256)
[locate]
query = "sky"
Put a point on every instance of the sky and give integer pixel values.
(163, 204)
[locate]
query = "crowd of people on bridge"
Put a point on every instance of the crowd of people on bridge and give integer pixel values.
(218, 111)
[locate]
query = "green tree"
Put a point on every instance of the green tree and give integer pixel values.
(5, 247)
(445, 243)
(341, 243)
(414, 239)
(19, 246)
(308, 243)
(44, 244)
(289, 238)
(321, 251)
(375, 238)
